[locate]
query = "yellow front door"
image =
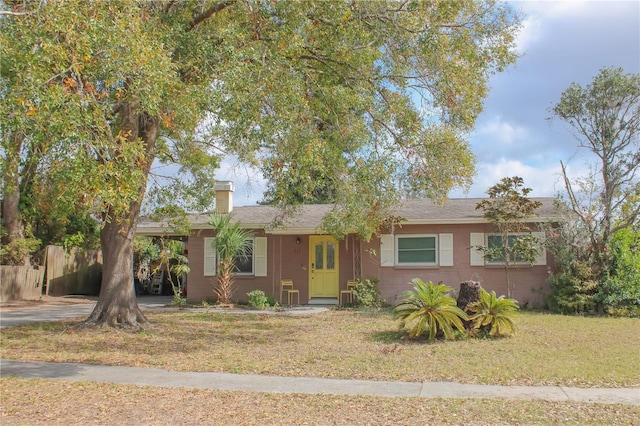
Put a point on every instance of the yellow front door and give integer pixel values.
(323, 266)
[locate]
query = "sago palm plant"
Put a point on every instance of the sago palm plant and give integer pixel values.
(429, 309)
(492, 313)
(231, 243)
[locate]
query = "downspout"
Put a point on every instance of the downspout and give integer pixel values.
(273, 268)
(280, 266)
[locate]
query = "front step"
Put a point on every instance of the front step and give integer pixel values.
(323, 301)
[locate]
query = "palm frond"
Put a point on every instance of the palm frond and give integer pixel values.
(495, 313)
(429, 309)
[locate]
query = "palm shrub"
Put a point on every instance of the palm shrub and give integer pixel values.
(429, 309)
(495, 314)
(231, 243)
(175, 264)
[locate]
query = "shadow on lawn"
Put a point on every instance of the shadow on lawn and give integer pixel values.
(402, 337)
(390, 336)
(33, 369)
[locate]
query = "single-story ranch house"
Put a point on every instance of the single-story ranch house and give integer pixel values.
(434, 242)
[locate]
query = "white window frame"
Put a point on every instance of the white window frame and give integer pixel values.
(397, 248)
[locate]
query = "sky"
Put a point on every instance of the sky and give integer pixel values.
(561, 42)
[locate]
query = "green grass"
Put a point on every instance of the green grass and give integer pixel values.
(547, 350)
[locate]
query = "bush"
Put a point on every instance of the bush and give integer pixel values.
(271, 301)
(178, 300)
(257, 299)
(573, 289)
(429, 309)
(18, 250)
(367, 292)
(492, 314)
(579, 285)
(619, 293)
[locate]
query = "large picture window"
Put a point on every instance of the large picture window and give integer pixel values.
(416, 250)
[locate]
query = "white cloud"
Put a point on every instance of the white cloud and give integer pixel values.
(529, 34)
(537, 15)
(543, 181)
(498, 129)
(552, 8)
(562, 42)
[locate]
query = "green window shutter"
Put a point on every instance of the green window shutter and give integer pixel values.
(210, 258)
(387, 251)
(476, 256)
(446, 249)
(260, 256)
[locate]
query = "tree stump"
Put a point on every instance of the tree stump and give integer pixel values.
(469, 293)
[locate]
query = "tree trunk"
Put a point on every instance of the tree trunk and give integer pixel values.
(469, 293)
(117, 304)
(11, 218)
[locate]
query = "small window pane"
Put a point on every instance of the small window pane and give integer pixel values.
(244, 264)
(416, 243)
(417, 256)
(331, 256)
(495, 242)
(416, 250)
(319, 256)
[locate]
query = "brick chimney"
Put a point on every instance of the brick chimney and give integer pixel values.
(224, 196)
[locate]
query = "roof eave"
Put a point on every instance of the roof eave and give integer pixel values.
(467, 221)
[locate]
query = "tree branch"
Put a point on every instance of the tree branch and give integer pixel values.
(8, 12)
(207, 13)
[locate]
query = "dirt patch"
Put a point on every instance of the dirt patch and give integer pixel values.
(46, 301)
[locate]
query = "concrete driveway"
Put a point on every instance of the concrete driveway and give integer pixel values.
(54, 312)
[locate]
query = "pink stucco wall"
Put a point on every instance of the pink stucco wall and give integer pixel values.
(286, 259)
(529, 282)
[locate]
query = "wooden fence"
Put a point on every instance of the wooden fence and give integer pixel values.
(72, 272)
(20, 283)
(62, 273)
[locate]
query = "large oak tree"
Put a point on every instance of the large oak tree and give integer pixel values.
(378, 95)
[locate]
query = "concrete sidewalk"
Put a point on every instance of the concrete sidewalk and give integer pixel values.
(308, 385)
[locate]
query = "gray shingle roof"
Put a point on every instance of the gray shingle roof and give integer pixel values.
(307, 218)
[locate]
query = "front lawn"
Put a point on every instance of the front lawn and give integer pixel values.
(547, 350)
